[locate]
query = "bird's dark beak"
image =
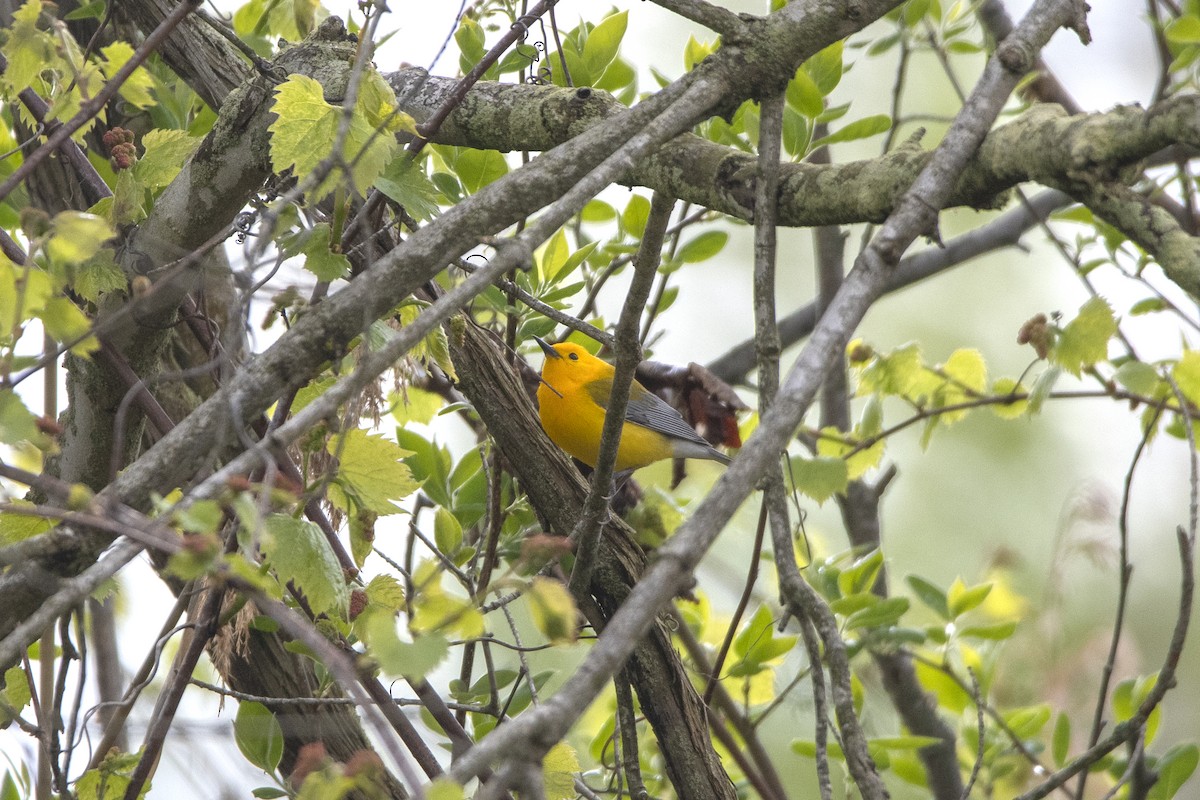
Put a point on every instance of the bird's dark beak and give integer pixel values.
(547, 348)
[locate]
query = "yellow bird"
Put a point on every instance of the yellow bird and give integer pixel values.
(573, 398)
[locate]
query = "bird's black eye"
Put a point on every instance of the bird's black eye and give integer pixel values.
(574, 356)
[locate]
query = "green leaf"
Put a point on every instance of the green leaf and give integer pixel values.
(1060, 741)
(77, 236)
(635, 216)
(820, 478)
(805, 96)
(930, 595)
(963, 599)
(386, 591)
(1084, 340)
(99, 276)
(17, 423)
(319, 258)
(1015, 409)
(299, 552)
(258, 735)
(1148, 306)
(1185, 30)
(166, 152)
(1138, 377)
(603, 42)
(1186, 373)
(370, 472)
(478, 168)
(553, 256)
(553, 610)
(414, 659)
(1042, 388)
(447, 532)
(995, 631)
(559, 768)
(1174, 768)
(861, 575)
(27, 49)
(304, 118)
(268, 793)
(859, 129)
(16, 694)
(19, 527)
(894, 373)
(405, 181)
(1028, 722)
(444, 789)
(885, 612)
(66, 323)
(825, 68)
(703, 247)
(136, 88)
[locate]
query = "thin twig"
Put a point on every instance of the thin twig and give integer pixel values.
(591, 521)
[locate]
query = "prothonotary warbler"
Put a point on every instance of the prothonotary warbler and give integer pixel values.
(573, 397)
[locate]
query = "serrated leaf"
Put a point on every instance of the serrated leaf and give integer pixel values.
(98, 276)
(15, 695)
(66, 323)
(386, 591)
(77, 236)
(370, 474)
(17, 422)
(413, 659)
(820, 478)
(304, 118)
(553, 610)
(166, 152)
(559, 768)
(1084, 340)
(258, 735)
(405, 181)
(434, 609)
(319, 258)
(136, 90)
(299, 552)
(1015, 409)
(894, 373)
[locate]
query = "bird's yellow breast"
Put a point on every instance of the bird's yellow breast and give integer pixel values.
(574, 422)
